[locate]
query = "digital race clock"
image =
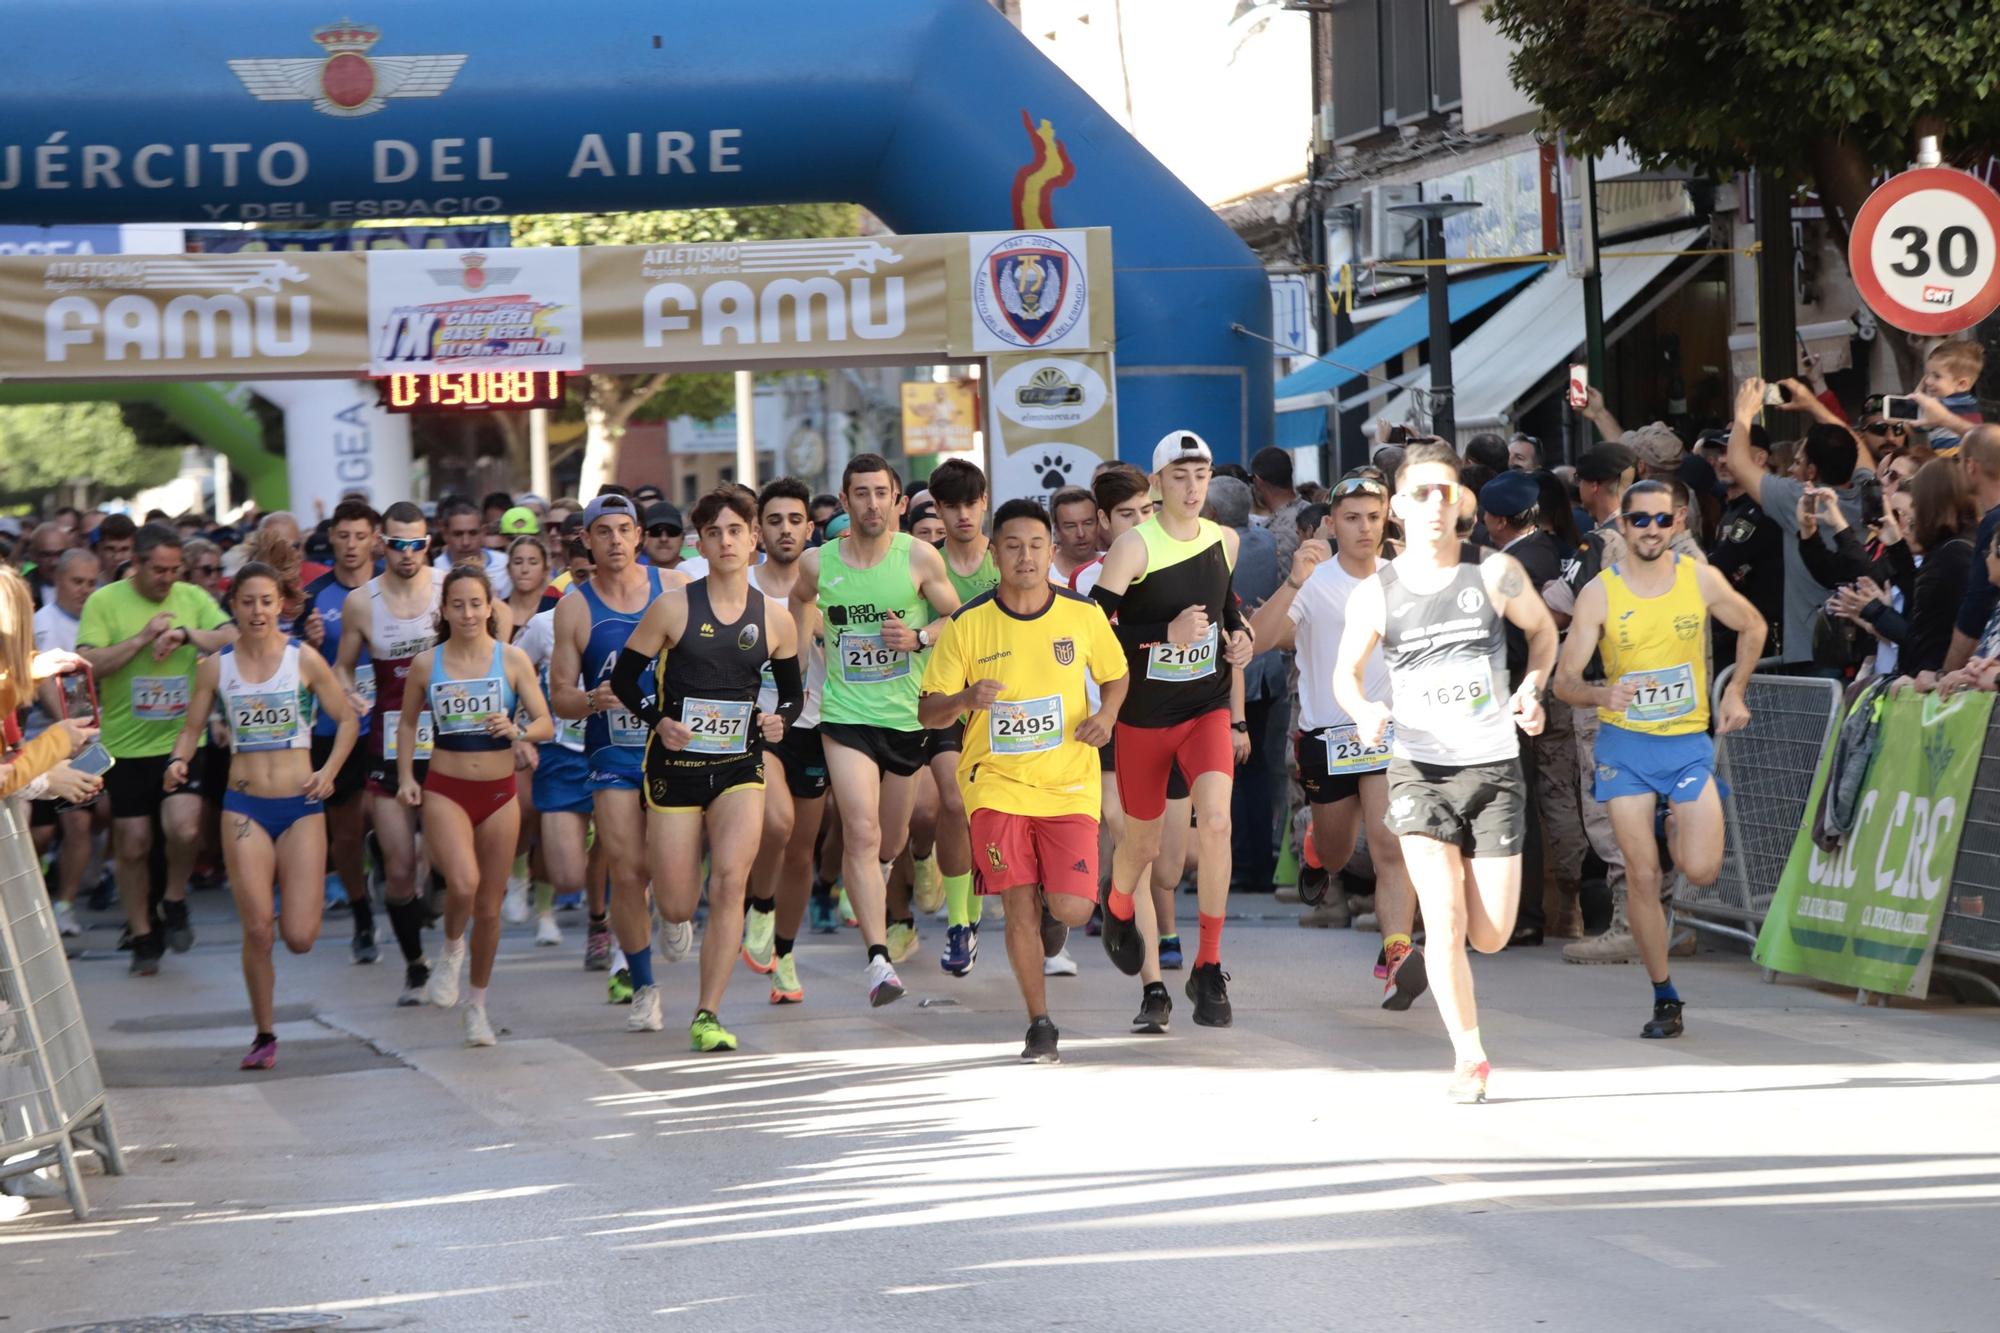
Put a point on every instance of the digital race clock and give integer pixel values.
(473, 391)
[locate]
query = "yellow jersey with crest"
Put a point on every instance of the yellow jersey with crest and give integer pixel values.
(1659, 645)
(1021, 756)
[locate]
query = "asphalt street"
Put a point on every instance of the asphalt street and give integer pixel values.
(1796, 1163)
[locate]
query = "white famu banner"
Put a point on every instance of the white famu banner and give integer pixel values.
(1049, 421)
(338, 440)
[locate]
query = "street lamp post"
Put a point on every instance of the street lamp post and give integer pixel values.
(1436, 292)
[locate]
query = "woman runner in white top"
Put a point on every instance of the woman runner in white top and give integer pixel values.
(274, 828)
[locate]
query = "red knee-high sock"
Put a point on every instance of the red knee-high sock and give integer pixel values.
(1211, 940)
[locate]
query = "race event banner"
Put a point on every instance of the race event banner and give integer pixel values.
(299, 314)
(1868, 915)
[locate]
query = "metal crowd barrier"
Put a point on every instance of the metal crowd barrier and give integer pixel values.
(1971, 928)
(1768, 769)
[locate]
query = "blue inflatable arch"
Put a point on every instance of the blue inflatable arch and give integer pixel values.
(935, 114)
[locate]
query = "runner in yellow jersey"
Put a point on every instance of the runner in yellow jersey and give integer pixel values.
(1648, 616)
(1013, 661)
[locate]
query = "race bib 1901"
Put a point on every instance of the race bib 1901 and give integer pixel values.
(159, 698)
(864, 661)
(1025, 726)
(463, 707)
(720, 726)
(1183, 662)
(626, 728)
(1661, 695)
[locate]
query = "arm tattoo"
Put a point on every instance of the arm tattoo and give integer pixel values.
(1511, 583)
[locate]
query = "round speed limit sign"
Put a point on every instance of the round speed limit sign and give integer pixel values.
(1925, 251)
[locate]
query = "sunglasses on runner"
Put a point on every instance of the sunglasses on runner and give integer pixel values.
(1429, 491)
(1358, 486)
(1648, 520)
(406, 543)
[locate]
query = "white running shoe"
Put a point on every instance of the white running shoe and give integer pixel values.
(478, 1032)
(1059, 964)
(884, 986)
(645, 1015)
(443, 988)
(514, 907)
(676, 940)
(548, 934)
(66, 921)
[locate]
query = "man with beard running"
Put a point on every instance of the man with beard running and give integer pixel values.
(795, 780)
(1166, 587)
(390, 619)
(1439, 612)
(878, 590)
(592, 625)
(1648, 614)
(352, 532)
(704, 766)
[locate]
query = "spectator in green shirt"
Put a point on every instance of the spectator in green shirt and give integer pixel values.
(141, 635)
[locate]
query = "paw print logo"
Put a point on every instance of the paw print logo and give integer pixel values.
(1054, 471)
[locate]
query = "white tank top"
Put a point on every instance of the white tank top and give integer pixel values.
(815, 677)
(272, 714)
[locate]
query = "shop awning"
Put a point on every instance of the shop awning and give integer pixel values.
(1532, 335)
(1304, 395)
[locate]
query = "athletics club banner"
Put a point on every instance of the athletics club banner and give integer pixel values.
(1041, 296)
(1868, 915)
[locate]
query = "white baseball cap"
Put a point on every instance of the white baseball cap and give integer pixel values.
(1180, 446)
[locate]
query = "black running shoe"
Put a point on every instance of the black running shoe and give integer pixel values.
(363, 947)
(1155, 1008)
(1666, 1020)
(1041, 1047)
(1054, 934)
(180, 934)
(146, 951)
(1122, 944)
(1208, 987)
(1407, 980)
(416, 978)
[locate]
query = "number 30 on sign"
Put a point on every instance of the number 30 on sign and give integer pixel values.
(1925, 251)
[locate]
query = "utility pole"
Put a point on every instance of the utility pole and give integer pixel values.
(1437, 293)
(1777, 317)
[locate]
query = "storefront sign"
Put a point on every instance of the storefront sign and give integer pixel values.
(1868, 915)
(939, 418)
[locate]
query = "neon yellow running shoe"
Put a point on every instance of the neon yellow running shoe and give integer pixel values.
(760, 931)
(927, 885)
(619, 987)
(846, 909)
(706, 1034)
(785, 988)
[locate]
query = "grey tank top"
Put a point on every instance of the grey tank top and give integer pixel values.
(1447, 656)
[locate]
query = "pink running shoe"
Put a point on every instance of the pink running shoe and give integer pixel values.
(263, 1054)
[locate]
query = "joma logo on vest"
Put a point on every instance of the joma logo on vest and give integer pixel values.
(819, 310)
(187, 327)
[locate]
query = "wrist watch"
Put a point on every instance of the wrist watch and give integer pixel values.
(923, 638)
(1240, 726)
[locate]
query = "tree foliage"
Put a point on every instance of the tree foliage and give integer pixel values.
(1721, 85)
(45, 446)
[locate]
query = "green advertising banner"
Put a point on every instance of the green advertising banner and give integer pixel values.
(1867, 915)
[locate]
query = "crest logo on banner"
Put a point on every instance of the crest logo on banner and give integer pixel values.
(1030, 291)
(346, 81)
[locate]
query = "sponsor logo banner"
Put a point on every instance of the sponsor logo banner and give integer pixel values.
(1060, 434)
(458, 309)
(415, 308)
(724, 303)
(1868, 914)
(166, 316)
